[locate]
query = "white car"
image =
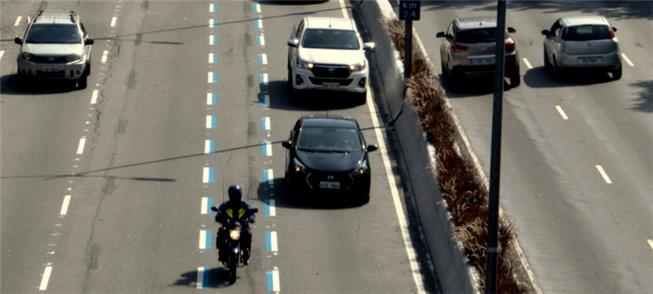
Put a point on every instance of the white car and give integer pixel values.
(327, 53)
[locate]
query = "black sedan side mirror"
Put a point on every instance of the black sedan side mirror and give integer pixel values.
(18, 41)
(546, 33)
(286, 144)
(440, 35)
(213, 208)
(372, 147)
(511, 30)
(89, 41)
(293, 42)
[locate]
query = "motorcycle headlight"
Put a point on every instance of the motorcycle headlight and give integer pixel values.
(362, 167)
(26, 56)
(234, 234)
(357, 67)
(73, 57)
(297, 166)
(303, 64)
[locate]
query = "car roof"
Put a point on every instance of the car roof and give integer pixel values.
(55, 17)
(321, 22)
(476, 22)
(583, 20)
(331, 121)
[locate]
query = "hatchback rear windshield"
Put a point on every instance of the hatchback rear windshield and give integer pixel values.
(330, 39)
(329, 139)
(483, 35)
(587, 32)
(53, 34)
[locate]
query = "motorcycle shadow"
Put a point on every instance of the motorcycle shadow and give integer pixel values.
(217, 277)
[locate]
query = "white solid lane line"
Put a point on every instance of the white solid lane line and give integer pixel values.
(64, 205)
(17, 22)
(105, 56)
(603, 174)
(650, 243)
(562, 112)
(528, 64)
(45, 278)
(623, 55)
(2, 53)
(80, 146)
(113, 21)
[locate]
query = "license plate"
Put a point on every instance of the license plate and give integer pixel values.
(50, 69)
(330, 85)
(589, 60)
(329, 185)
(484, 60)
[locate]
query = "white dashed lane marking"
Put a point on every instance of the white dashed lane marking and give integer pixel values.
(64, 205)
(528, 64)
(80, 146)
(650, 243)
(200, 277)
(114, 20)
(623, 55)
(94, 96)
(45, 279)
(605, 176)
(561, 112)
(2, 53)
(18, 19)
(105, 56)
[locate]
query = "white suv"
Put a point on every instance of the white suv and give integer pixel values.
(327, 53)
(55, 46)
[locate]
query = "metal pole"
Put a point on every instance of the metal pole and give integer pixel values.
(495, 153)
(408, 49)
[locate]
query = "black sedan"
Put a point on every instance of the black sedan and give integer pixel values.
(328, 155)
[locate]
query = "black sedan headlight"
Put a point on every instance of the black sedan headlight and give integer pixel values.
(362, 167)
(297, 167)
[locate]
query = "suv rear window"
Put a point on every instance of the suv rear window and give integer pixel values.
(53, 34)
(483, 35)
(586, 32)
(330, 39)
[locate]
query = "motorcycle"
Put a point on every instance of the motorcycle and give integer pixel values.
(233, 247)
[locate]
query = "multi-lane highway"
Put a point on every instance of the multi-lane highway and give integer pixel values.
(107, 189)
(577, 162)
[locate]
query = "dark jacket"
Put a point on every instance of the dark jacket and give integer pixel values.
(241, 211)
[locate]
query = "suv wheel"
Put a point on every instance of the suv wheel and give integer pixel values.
(616, 74)
(82, 83)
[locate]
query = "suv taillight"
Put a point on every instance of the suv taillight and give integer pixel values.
(510, 45)
(458, 48)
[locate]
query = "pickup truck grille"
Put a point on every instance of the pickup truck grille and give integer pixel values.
(330, 71)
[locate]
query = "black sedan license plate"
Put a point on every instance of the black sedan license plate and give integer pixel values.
(329, 185)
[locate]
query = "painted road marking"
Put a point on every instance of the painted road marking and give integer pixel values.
(603, 174)
(265, 123)
(213, 58)
(212, 78)
(80, 146)
(268, 177)
(212, 22)
(213, 40)
(259, 23)
(209, 146)
(208, 175)
(2, 53)
(263, 79)
(45, 279)
(113, 21)
(266, 148)
(29, 20)
(271, 244)
(64, 205)
(528, 64)
(256, 8)
(200, 277)
(650, 243)
(260, 40)
(207, 202)
(211, 7)
(105, 55)
(623, 55)
(262, 59)
(264, 100)
(205, 239)
(211, 98)
(94, 96)
(272, 280)
(211, 121)
(18, 19)
(562, 112)
(268, 208)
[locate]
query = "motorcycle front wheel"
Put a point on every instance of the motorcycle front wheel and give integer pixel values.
(233, 267)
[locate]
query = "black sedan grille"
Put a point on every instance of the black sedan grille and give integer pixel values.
(48, 59)
(344, 178)
(330, 71)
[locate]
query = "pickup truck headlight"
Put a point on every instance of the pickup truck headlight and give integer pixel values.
(361, 168)
(303, 64)
(26, 56)
(73, 57)
(357, 67)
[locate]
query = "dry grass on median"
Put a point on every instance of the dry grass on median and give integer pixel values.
(461, 186)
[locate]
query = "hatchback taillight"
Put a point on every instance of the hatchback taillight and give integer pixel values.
(456, 48)
(510, 45)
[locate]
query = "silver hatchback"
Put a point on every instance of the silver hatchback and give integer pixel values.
(582, 42)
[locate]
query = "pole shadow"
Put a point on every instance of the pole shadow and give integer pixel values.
(212, 278)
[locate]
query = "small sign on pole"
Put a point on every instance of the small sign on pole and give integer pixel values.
(409, 9)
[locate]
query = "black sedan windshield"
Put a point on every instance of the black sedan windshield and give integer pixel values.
(53, 34)
(329, 139)
(330, 39)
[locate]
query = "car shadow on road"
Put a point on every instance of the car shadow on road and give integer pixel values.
(277, 190)
(212, 278)
(644, 102)
(9, 86)
(539, 78)
(282, 98)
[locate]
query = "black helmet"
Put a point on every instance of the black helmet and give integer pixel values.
(235, 193)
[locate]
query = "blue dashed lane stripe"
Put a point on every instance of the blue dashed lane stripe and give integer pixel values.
(211, 146)
(260, 41)
(209, 238)
(266, 208)
(264, 100)
(268, 280)
(254, 7)
(260, 59)
(214, 40)
(215, 58)
(209, 175)
(268, 242)
(259, 23)
(211, 98)
(263, 79)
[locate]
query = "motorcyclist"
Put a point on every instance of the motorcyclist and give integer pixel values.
(234, 208)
